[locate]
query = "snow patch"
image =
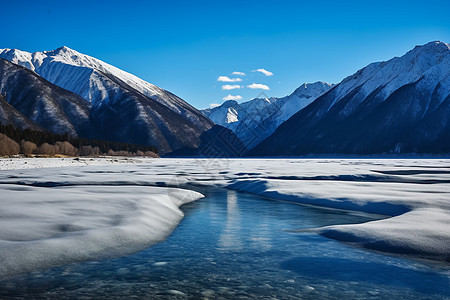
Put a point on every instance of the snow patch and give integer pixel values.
(41, 228)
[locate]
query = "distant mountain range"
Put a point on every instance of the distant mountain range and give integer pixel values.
(255, 120)
(393, 107)
(66, 91)
(398, 106)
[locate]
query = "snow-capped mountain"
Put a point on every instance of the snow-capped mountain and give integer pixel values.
(397, 106)
(287, 106)
(88, 77)
(123, 107)
(254, 120)
(230, 114)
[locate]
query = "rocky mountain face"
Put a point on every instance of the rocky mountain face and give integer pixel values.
(118, 106)
(398, 106)
(254, 120)
(11, 116)
(29, 101)
(90, 78)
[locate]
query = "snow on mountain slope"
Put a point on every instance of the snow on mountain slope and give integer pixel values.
(32, 100)
(123, 107)
(287, 106)
(226, 114)
(231, 113)
(87, 77)
(398, 106)
(430, 61)
(243, 118)
(254, 120)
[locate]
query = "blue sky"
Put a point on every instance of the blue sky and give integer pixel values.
(184, 46)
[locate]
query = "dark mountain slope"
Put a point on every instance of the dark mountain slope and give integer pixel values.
(129, 116)
(124, 107)
(49, 106)
(11, 116)
(398, 106)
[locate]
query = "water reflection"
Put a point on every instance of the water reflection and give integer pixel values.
(229, 239)
(255, 232)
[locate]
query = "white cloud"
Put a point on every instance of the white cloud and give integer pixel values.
(230, 87)
(231, 97)
(255, 86)
(264, 71)
(238, 73)
(228, 79)
(212, 105)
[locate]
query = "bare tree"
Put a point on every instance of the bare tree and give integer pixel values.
(89, 151)
(66, 148)
(151, 154)
(27, 147)
(122, 153)
(119, 153)
(8, 146)
(46, 149)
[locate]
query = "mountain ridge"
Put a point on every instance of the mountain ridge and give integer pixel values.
(134, 110)
(256, 119)
(397, 106)
(81, 76)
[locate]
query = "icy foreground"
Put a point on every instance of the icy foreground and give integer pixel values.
(41, 228)
(53, 216)
(32, 163)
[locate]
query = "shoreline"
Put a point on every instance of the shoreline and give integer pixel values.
(20, 163)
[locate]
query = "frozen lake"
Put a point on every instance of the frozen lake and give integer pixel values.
(62, 227)
(237, 245)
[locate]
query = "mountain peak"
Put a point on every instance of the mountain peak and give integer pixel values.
(399, 105)
(230, 103)
(439, 44)
(64, 49)
(122, 106)
(307, 90)
(435, 46)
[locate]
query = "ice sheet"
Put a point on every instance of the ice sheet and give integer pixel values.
(40, 228)
(415, 192)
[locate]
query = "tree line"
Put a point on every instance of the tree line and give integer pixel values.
(28, 142)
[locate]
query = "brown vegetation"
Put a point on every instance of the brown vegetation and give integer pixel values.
(46, 149)
(48, 144)
(128, 153)
(8, 146)
(89, 151)
(151, 154)
(66, 148)
(27, 148)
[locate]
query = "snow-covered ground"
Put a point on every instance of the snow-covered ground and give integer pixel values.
(93, 209)
(32, 163)
(42, 228)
